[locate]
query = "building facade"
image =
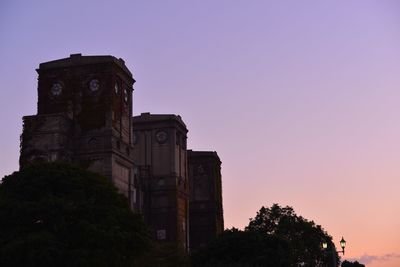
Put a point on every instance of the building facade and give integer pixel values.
(206, 213)
(84, 116)
(160, 154)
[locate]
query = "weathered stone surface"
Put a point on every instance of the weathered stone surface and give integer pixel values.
(84, 111)
(158, 149)
(84, 116)
(46, 138)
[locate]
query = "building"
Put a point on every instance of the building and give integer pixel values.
(84, 116)
(206, 213)
(160, 153)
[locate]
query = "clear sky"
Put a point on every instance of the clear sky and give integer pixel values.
(301, 99)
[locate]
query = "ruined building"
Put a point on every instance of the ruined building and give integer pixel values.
(84, 116)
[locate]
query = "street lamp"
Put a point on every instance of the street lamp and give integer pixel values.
(342, 245)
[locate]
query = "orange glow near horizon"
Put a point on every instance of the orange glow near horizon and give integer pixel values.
(299, 98)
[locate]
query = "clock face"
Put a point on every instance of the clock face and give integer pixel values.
(116, 88)
(161, 136)
(94, 85)
(56, 89)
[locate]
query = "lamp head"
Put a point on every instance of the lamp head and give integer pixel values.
(343, 243)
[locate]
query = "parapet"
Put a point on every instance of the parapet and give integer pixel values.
(78, 60)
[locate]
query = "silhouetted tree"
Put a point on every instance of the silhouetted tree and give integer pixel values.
(276, 237)
(243, 248)
(305, 237)
(352, 264)
(53, 214)
(164, 254)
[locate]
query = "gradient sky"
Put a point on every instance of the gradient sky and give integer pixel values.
(301, 99)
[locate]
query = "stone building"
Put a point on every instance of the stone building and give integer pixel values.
(84, 116)
(160, 153)
(206, 214)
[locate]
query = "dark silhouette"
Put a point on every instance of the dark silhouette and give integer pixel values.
(304, 236)
(84, 116)
(275, 237)
(242, 249)
(56, 215)
(205, 207)
(352, 264)
(164, 254)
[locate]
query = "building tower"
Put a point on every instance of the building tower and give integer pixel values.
(84, 117)
(206, 213)
(160, 152)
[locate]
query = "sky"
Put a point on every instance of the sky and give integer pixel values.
(301, 99)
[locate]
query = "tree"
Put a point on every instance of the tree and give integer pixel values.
(235, 248)
(275, 237)
(53, 214)
(165, 254)
(352, 264)
(304, 237)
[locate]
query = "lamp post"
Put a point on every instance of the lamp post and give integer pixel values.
(342, 245)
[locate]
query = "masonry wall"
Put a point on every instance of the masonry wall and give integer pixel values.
(205, 212)
(160, 148)
(84, 117)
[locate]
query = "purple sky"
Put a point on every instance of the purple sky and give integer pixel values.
(301, 99)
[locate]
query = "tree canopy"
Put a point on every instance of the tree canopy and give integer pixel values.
(235, 248)
(53, 214)
(276, 236)
(352, 264)
(304, 236)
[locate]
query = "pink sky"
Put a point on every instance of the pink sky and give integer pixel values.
(301, 99)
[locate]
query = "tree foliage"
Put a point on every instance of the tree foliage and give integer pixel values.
(276, 236)
(53, 214)
(352, 264)
(243, 249)
(164, 254)
(304, 237)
